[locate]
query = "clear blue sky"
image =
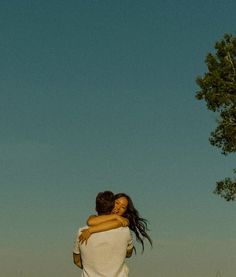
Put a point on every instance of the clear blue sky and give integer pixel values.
(98, 95)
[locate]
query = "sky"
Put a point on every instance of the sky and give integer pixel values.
(100, 95)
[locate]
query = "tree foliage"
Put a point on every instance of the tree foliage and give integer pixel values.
(218, 89)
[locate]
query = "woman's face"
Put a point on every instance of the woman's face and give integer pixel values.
(121, 205)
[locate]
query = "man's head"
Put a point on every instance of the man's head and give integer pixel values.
(105, 202)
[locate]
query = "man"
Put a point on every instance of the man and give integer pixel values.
(104, 253)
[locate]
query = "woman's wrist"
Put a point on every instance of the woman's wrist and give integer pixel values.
(90, 230)
(120, 219)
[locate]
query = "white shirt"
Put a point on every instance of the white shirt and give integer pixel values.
(105, 252)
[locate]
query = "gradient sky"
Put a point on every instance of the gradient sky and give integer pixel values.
(98, 95)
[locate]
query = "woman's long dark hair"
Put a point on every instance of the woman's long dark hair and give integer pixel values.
(136, 223)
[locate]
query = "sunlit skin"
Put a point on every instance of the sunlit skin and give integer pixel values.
(120, 206)
(119, 209)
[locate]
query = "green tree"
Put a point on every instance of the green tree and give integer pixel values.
(218, 89)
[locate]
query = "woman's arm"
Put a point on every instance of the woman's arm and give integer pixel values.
(104, 226)
(98, 219)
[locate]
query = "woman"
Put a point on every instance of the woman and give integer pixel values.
(123, 214)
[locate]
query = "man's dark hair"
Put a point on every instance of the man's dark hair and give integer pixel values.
(105, 202)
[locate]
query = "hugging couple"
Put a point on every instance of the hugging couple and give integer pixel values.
(102, 246)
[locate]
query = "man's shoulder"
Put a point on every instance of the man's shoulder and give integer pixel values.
(117, 231)
(123, 229)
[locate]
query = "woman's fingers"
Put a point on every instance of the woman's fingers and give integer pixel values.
(82, 239)
(126, 222)
(84, 236)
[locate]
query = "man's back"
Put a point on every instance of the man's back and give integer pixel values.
(105, 252)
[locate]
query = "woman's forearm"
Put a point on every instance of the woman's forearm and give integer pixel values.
(105, 226)
(98, 219)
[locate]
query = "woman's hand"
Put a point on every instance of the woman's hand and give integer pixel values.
(84, 236)
(124, 221)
